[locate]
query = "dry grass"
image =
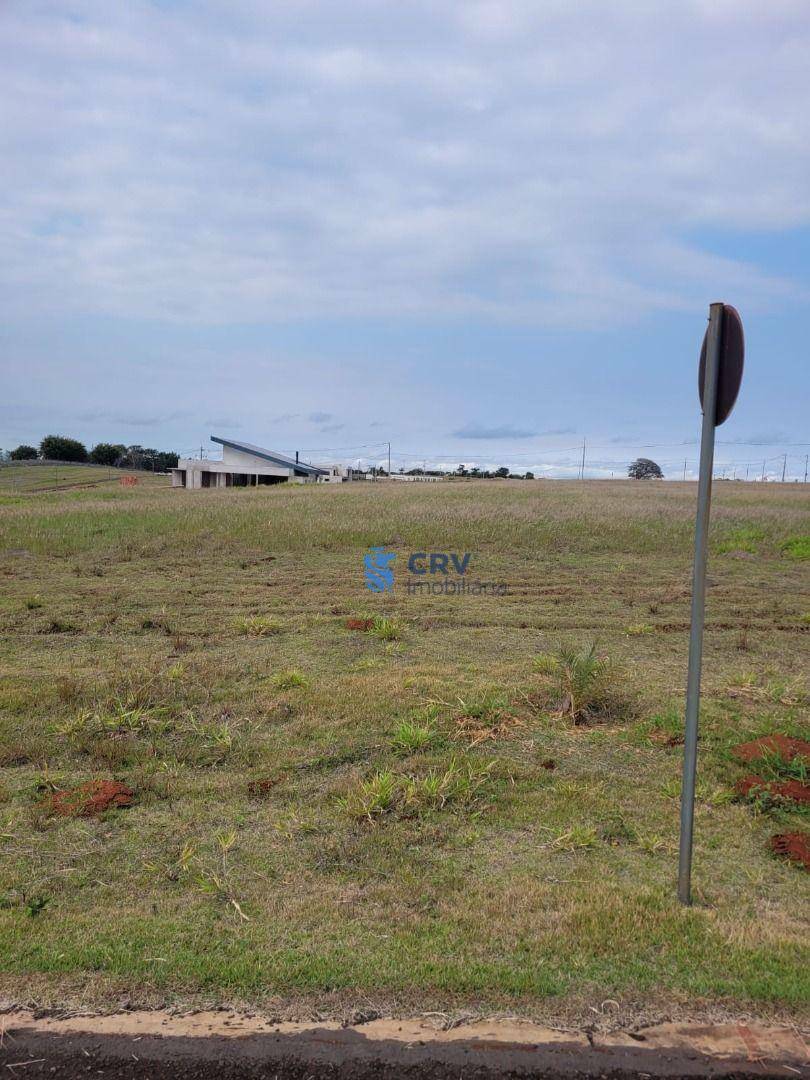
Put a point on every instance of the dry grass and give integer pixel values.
(411, 841)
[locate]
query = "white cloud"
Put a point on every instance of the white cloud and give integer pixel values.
(552, 163)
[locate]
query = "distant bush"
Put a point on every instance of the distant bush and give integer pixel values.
(24, 453)
(60, 448)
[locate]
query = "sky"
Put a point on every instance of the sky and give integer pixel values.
(483, 231)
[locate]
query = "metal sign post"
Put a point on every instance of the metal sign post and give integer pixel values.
(719, 377)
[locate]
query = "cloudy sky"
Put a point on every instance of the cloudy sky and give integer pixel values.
(483, 230)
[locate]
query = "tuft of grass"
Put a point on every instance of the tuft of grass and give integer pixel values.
(411, 736)
(387, 629)
(484, 715)
(744, 538)
(639, 629)
(576, 838)
(33, 602)
(371, 798)
(412, 796)
(797, 547)
(59, 626)
(773, 766)
(258, 626)
(457, 783)
(291, 679)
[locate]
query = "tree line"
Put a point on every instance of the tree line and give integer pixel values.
(115, 455)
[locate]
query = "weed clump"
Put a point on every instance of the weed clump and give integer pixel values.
(386, 793)
(412, 736)
(797, 547)
(291, 679)
(386, 629)
(258, 626)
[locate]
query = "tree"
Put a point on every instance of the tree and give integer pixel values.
(60, 448)
(105, 453)
(644, 469)
(503, 472)
(165, 460)
(530, 476)
(24, 453)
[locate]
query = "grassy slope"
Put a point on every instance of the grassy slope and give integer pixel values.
(30, 477)
(124, 654)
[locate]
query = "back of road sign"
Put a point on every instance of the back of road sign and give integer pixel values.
(730, 371)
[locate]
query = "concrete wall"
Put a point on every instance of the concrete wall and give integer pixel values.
(219, 472)
(239, 461)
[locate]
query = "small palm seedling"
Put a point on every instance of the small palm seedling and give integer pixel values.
(577, 681)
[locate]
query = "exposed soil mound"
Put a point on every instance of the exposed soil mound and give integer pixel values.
(90, 799)
(794, 790)
(786, 747)
(358, 624)
(793, 846)
(259, 789)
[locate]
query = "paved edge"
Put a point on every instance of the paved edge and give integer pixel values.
(227, 1045)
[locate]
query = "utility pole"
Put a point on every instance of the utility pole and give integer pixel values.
(763, 471)
(806, 456)
(746, 472)
(582, 467)
(389, 459)
(784, 467)
(684, 469)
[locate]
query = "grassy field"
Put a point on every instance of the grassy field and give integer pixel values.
(17, 478)
(414, 815)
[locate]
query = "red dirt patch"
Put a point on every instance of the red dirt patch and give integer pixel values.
(262, 787)
(794, 790)
(794, 846)
(358, 624)
(786, 747)
(91, 798)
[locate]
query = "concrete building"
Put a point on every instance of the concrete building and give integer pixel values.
(243, 465)
(338, 474)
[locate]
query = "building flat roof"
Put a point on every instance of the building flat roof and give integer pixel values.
(269, 455)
